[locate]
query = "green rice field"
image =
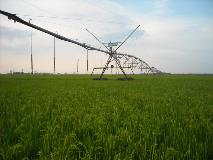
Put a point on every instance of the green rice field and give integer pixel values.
(153, 117)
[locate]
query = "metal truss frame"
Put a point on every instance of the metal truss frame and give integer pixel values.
(113, 54)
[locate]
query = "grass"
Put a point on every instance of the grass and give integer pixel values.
(74, 117)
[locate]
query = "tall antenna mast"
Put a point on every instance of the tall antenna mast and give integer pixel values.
(87, 61)
(77, 65)
(31, 49)
(54, 55)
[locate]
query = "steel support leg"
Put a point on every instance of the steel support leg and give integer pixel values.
(132, 70)
(118, 62)
(92, 71)
(106, 66)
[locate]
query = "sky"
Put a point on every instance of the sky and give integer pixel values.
(175, 36)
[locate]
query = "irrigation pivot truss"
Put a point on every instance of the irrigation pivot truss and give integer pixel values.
(122, 60)
(132, 63)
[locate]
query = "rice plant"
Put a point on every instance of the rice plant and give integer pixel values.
(75, 117)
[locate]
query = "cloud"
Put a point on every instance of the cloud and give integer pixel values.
(160, 7)
(172, 44)
(177, 45)
(14, 41)
(11, 34)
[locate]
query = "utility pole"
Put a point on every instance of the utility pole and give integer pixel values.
(77, 65)
(31, 48)
(87, 61)
(54, 55)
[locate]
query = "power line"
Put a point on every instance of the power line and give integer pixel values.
(68, 19)
(45, 21)
(35, 6)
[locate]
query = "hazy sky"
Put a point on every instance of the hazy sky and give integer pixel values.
(175, 35)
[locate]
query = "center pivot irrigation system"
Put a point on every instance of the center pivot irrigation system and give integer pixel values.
(121, 60)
